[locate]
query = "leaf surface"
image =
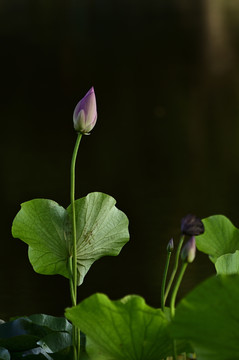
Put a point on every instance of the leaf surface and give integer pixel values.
(228, 264)
(220, 237)
(46, 227)
(122, 330)
(55, 342)
(37, 336)
(209, 318)
(53, 323)
(102, 230)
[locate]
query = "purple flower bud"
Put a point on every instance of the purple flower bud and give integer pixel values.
(170, 246)
(189, 251)
(85, 113)
(191, 225)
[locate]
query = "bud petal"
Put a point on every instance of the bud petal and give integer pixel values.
(191, 225)
(85, 113)
(189, 251)
(170, 246)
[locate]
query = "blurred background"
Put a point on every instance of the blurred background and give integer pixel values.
(166, 143)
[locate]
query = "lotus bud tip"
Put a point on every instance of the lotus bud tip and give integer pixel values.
(85, 113)
(170, 246)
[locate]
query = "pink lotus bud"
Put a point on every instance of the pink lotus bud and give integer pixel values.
(85, 113)
(189, 251)
(170, 246)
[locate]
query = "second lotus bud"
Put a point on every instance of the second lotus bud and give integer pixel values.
(170, 246)
(189, 251)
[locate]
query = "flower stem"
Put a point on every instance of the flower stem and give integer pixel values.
(173, 299)
(71, 281)
(175, 268)
(73, 300)
(164, 279)
(74, 265)
(176, 287)
(74, 280)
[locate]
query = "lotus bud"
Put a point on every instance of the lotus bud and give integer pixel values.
(170, 246)
(189, 251)
(191, 225)
(85, 113)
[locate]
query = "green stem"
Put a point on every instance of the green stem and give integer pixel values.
(73, 281)
(73, 300)
(164, 279)
(175, 268)
(73, 165)
(175, 355)
(176, 287)
(173, 299)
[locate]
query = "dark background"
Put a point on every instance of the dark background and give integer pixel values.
(166, 141)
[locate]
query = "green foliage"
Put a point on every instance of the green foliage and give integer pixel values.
(36, 337)
(20, 334)
(46, 227)
(51, 322)
(220, 237)
(209, 318)
(55, 341)
(228, 264)
(122, 330)
(206, 320)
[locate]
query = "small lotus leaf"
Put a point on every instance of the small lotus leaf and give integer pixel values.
(228, 264)
(220, 237)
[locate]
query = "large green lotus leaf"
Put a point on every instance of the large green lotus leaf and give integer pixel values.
(220, 237)
(228, 264)
(126, 329)
(46, 227)
(209, 318)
